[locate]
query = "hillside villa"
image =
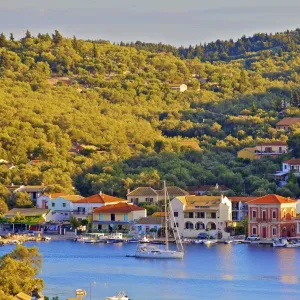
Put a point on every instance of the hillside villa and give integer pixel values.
(148, 194)
(178, 87)
(272, 216)
(272, 149)
(286, 123)
(148, 225)
(116, 217)
(34, 191)
(195, 214)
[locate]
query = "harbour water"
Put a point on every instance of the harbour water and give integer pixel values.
(215, 272)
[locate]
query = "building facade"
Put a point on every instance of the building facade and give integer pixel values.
(286, 123)
(272, 216)
(239, 207)
(148, 225)
(195, 214)
(116, 217)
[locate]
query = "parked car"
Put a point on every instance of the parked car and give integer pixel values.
(253, 237)
(203, 236)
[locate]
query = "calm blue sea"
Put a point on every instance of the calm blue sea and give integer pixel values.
(215, 272)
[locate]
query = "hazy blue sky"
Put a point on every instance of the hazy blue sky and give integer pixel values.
(169, 21)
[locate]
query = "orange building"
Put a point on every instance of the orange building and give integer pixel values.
(272, 216)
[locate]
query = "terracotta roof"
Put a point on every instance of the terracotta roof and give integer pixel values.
(271, 199)
(159, 214)
(150, 220)
(101, 198)
(294, 161)
(143, 191)
(288, 121)
(27, 212)
(241, 199)
(22, 296)
(118, 208)
(278, 143)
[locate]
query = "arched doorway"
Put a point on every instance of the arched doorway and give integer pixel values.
(189, 225)
(211, 226)
(200, 226)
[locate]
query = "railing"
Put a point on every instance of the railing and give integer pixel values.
(80, 213)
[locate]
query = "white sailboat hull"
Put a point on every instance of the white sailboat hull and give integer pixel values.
(160, 254)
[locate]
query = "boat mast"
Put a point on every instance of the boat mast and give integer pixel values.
(166, 218)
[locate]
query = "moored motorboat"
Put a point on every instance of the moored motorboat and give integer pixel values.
(209, 242)
(80, 292)
(280, 242)
(121, 296)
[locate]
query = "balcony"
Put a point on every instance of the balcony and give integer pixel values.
(80, 213)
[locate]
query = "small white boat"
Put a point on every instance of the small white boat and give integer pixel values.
(80, 292)
(281, 242)
(120, 296)
(198, 241)
(228, 242)
(144, 240)
(293, 244)
(209, 242)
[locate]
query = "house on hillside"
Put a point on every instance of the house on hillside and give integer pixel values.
(286, 123)
(34, 191)
(288, 166)
(117, 217)
(178, 87)
(204, 189)
(272, 216)
(271, 149)
(148, 194)
(239, 207)
(195, 214)
(85, 206)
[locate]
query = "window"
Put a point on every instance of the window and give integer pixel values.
(254, 214)
(292, 213)
(175, 213)
(273, 231)
(285, 167)
(99, 227)
(189, 215)
(149, 200)
(264, 215)
(284, 213)
(101, 217)
(53, 204)
(64, 204)
(112, 217)
(200, 215)
(66, 214)
(254, 230)
(274, 215)
(126, 218)
(213, 215)
(176, 225)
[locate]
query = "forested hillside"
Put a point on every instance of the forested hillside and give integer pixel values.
(56, 93)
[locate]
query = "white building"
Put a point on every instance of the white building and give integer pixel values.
(195, 214)
(148, 225)
(178, 87)
(292, 165)
(239, 207)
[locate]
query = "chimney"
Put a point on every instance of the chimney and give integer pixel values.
(128, 191)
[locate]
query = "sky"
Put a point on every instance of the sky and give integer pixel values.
(186, 22)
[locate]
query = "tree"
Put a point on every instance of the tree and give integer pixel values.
(75, 43)
(3, 207)
(74, 222)
(27, 34)
(11, 37)
(57, 38)
(3, 41)
(294, 144)
(18, 271)
(22, 199)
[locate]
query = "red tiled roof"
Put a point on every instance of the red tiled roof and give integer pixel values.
(288, 121)
(271, 199)
(294, 161)
(101, 198)
(159, 214)
(241, 199)
(118, 208)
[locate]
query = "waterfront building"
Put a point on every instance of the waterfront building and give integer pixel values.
(116, 217)
(148, 225)
(148, 194)
(239, 207)
(272, 216)
(62, 207)
(43, 200)
(196, 214)
(85, 206)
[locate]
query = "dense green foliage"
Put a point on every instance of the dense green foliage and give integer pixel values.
(18, 271)
(56, 93)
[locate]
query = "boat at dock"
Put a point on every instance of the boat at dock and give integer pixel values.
(280, 242)
(209, 242)
(114, 238)
(150, 251)
(121, 296)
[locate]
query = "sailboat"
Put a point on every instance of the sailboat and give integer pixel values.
(152, 251)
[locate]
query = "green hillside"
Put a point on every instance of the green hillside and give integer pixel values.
(57, 93)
